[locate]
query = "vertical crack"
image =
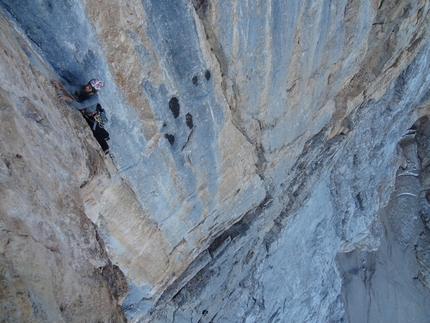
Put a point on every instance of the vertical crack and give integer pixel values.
(202, 7)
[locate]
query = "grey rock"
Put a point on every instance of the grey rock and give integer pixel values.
(266, 161)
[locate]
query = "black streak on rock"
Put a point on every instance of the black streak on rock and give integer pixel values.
(189, 120)
(174, 106)
(170, 138)
(207, 75)
(195, 80)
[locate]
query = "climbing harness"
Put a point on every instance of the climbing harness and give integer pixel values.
(98, 118)
(95, 118)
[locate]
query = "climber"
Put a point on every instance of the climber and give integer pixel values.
(87, 101)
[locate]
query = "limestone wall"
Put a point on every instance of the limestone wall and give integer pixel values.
(242, 132)
(52, 258)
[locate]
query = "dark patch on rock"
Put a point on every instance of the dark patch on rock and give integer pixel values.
(189, 120)
(170, 138)
(174, 106)
(201, 6)
(359, 199)
(116, 280)
(207, 75)
(195, 80)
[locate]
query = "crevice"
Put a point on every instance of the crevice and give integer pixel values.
(202, 7)
(116, 280)
(317, 155)
(188, 139)
(240, 228)
(199, 272)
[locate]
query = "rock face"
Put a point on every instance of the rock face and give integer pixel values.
(54, 266)
(252, 175)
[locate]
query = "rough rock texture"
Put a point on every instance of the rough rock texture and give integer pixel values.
(254, 151)
(393, 272)
(52, 259)
(340, 256)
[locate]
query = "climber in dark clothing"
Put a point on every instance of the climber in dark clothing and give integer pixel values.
(86, 99)
(98, 131)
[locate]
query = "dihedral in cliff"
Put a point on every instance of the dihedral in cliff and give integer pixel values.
(253, 144)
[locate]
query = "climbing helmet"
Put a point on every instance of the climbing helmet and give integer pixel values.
(96, 84)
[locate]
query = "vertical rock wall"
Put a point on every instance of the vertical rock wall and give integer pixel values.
(54, 266)
(338, 255)
(251, 142)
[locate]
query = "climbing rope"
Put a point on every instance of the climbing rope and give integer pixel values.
(25, 42)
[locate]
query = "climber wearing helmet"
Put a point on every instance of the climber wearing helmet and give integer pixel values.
(86, 99)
